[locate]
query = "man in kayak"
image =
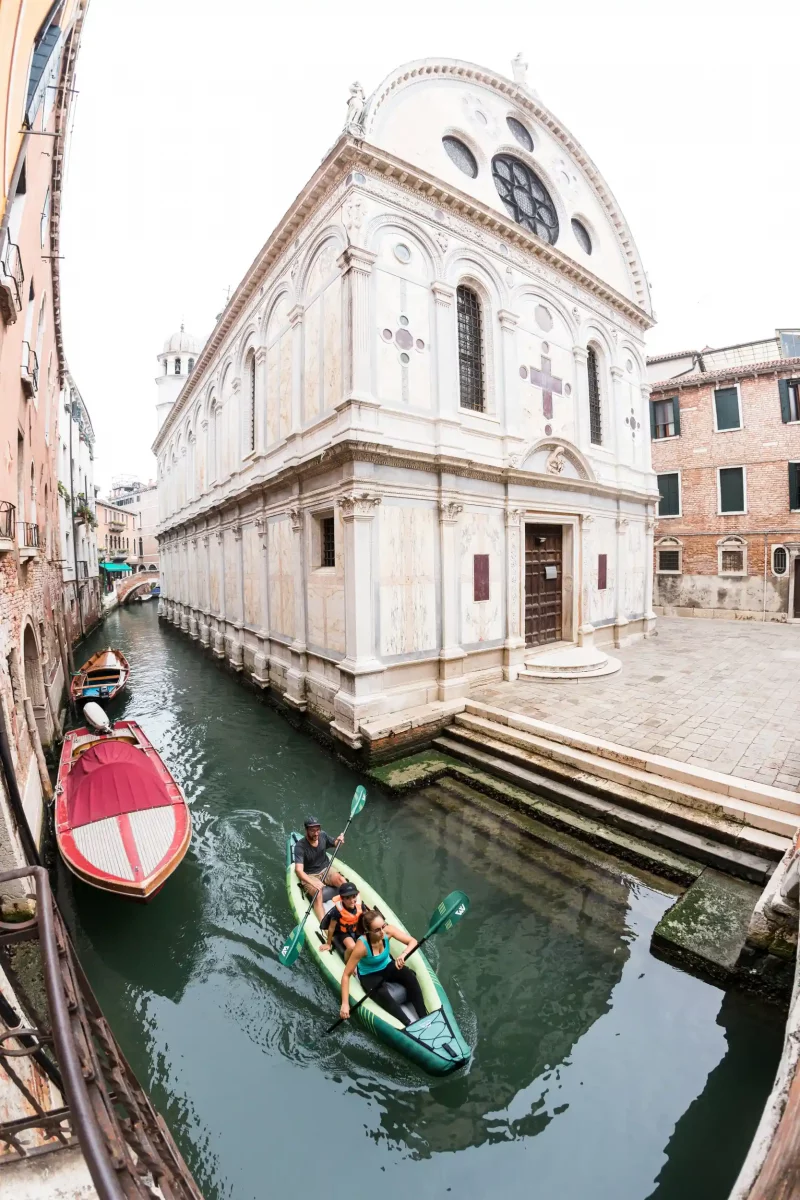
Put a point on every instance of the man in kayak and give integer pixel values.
(343, 920)
(311, 862)
(372, 959)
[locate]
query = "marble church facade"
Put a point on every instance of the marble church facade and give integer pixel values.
(414, 452)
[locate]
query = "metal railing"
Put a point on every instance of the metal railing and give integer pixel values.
(8, 519)
(99, 1103)
(29, 368)
(12, 275)
(28, 534)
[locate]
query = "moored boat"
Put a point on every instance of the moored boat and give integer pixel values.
(122, 823)
(102, 677)
(432, 1040)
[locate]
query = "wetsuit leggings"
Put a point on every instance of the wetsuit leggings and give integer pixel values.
(374, 984)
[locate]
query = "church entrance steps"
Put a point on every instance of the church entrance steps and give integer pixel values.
(682, 802)
(569, 662)
(749, 854)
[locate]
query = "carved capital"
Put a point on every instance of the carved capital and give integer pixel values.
(650, 524)
(616, 373)
(262, 528)
(193, 542)
(449, 512)
(296, 517)
(507, 319)
(358, 506)
(443, 294)
(236, 384)
(218, 535)
(261, 356)
(204, 424)
(580, 354)
(587, 520)
(356, 259)
(513, 517)
(236, 530)
(205, 540)
(645, 389)
(622, 524)
(296, 314)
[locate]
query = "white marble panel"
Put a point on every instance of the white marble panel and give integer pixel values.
(481, 533)
(601, 540)
(252, 551)
(311, 359)
(407, 579)
(281, 578)
(332, 363)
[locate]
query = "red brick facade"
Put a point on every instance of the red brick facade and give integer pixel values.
(712, 579)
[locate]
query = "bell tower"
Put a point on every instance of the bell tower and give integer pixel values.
(176, 363)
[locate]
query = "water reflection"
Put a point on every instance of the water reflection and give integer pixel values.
(597, 1070)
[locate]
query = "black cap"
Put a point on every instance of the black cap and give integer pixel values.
(311, 821)
(348, 889)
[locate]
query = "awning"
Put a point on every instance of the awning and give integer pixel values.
(115, 568)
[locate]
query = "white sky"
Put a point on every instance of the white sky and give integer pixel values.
(198, 123)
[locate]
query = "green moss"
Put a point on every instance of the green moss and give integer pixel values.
(706, 929)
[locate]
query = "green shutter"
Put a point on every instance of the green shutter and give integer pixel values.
(783, 390)
(727, 405)
(669, 493)
(652, 419)
(731, 489)
(794, 485)
(676, 414)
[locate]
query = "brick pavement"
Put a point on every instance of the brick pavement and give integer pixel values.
(724, 695)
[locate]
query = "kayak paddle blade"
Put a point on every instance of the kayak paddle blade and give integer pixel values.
(359, 800)
(291, 949)
(449, 912)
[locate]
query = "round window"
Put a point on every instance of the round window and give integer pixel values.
(525, 197)
(520, 132)
(582, 236)
(402, 252)
(461, 155)
(780, 560)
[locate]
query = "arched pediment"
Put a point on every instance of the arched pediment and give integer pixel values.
(554, 456)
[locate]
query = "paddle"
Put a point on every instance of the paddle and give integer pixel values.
(294, 945)
(445, 916)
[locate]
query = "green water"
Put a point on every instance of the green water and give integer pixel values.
(597, 1072)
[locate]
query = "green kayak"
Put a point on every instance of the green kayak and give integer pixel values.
(434, 1041)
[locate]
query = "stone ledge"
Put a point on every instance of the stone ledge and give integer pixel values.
(392, 724)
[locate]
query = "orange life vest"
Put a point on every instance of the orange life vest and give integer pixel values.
(346, 920)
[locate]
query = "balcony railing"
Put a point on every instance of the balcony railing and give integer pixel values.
(74, 1083)
(29, 370)
(28, 535)
(12, 278)
(8, 520)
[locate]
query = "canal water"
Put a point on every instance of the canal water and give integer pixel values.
(597, 1070)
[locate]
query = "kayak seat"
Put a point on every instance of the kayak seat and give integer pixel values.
(400, 996)
(327, 894)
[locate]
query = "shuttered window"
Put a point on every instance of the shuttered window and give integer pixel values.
(726, 405)
(480, 577)
(794, 486)
(789, 390)
(669, 488)
(665, 418)
(731, 489)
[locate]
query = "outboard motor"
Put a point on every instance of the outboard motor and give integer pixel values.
(96, 717)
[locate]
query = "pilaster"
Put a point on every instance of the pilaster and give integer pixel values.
(296, 322)
(447, 396)
(451, 656)
(621, 620)
(624, 444)
(514, 645)
(261, 662)
(295, 694)
(586, 629)
(508, 405)
(261, 398)
(356, 266)
(581, 410)
(649, 615)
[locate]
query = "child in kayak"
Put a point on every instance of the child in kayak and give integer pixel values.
(343, 920)
(372, 960)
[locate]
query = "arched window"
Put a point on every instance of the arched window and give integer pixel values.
(212, 445)
(595, 420)
(470, 348)
(166, 366)
(217, 442)
(780, 560)
(190, 367)
(250, 432)
(177, 366)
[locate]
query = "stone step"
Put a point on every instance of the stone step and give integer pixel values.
(687, 842)
(748, 819)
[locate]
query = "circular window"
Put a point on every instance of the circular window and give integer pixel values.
(404, 320)
(543, 318)
(520, 132)
(780, 560)
(461, 155)
(387, 335)
(525, 197)
(404, 339)
(420, 344)
(402, 252)
(404, 359)
(582, 236)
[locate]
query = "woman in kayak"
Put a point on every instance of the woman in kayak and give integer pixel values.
(372, 960)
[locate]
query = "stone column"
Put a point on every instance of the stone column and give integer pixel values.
(514, 645)
(508, 406)
(621, 619)
(219, 637)
(261, 663)
(451, 654)
(358, 687)
(193, 597)
(624, 443)
(236, 652)
(447, 394)
(295, 694)
(649, 615)
(581, 410)
(586, 629)
(356, 267)
(646, 444)
(203, 628)
(235, 439)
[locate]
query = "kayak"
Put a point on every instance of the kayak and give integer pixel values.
(432, 1041)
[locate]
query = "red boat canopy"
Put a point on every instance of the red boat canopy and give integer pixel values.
(112, 778)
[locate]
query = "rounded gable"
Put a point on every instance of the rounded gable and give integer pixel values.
(423, 110)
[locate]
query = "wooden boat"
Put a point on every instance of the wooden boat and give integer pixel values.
(122, 823)
(432, 1040)
(102, 677)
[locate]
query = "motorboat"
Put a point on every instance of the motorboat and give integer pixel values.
(102, 677)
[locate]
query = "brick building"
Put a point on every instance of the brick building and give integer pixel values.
(725, 429)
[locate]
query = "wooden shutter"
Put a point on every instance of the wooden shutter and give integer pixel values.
(480, 577)
(783, 392)
(602, 572)
(794, 485)
(731, 489)
(669, 491)
(676, 414)
(653, 419)
(726, 401)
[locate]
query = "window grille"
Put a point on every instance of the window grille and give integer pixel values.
(525, 197)
(595, 421)
(780, 560)
(461, 155)
(328, 538)
(732, 562)
(470, 348)
(669, 561)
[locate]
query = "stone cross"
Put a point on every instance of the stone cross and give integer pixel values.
(547, 382)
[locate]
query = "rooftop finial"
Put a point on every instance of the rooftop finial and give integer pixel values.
(355, 111)
(520, 69)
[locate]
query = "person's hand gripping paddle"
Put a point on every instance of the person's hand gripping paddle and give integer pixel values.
(294, 944)
(445, 916)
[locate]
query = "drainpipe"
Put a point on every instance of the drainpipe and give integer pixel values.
(30, 720)
(764, 610)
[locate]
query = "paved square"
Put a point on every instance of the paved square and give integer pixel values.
(721, 694)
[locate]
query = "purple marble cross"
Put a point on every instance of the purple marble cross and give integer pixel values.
(547, 382)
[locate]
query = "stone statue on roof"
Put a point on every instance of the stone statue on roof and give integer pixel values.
(355, 110)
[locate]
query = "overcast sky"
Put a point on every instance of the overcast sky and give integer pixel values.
(196, 124)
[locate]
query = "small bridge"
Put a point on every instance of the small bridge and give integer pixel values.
(137, 585)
